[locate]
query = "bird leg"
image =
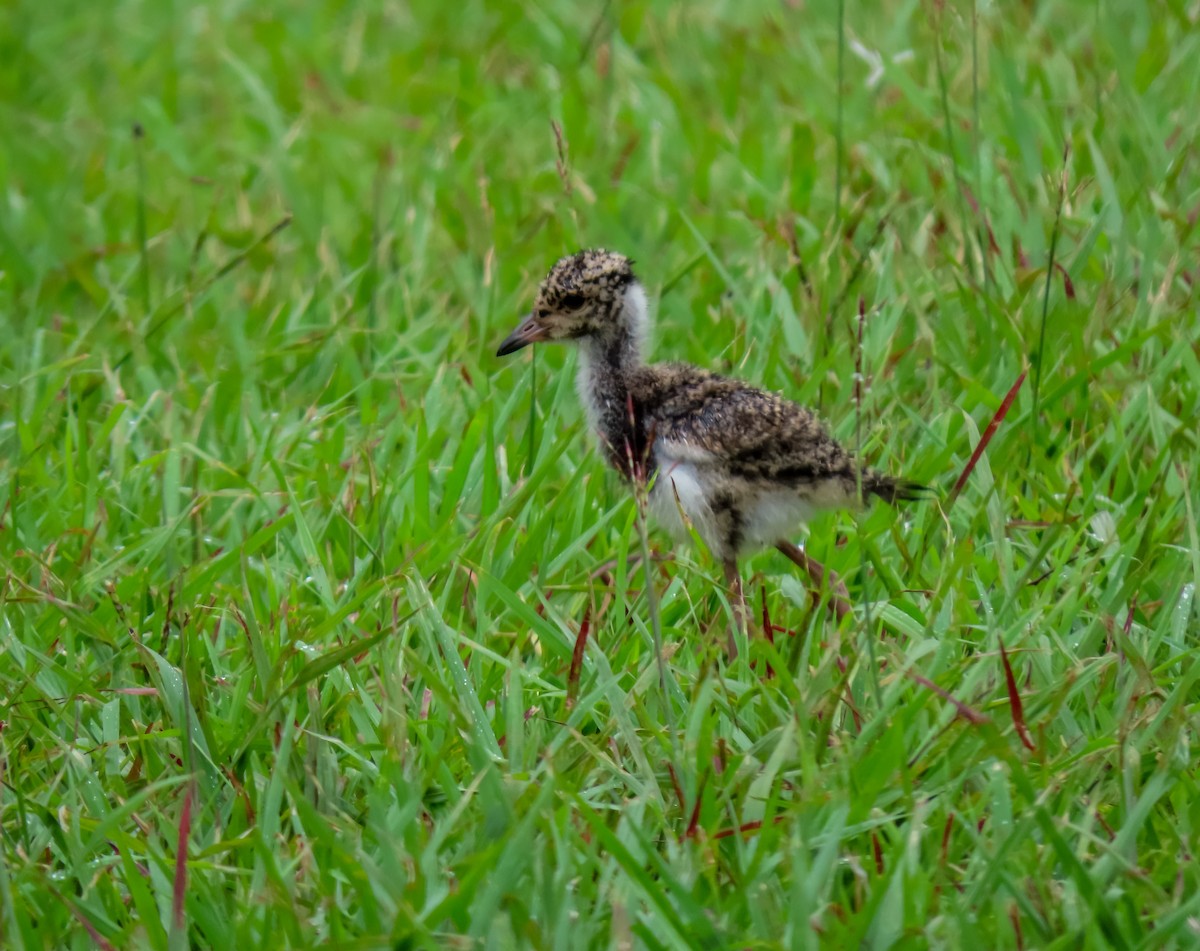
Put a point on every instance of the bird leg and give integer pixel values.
(737, 600)
(839, 598)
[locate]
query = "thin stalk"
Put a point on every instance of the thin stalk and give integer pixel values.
(639, 469)
(532, 452)
(139, 135)
(841, 85)
(1040, 353)
(839, 138)
(943, 87)
(652, 601)
(868, 627)
(977, 148)
(372, 274)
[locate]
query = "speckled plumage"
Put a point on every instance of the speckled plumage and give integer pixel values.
(741, 465)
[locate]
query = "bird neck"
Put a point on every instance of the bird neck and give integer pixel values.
(606, 363)
(618, 345)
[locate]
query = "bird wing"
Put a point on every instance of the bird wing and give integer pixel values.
(701, 417)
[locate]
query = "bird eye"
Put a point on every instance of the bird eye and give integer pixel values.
(571, 301)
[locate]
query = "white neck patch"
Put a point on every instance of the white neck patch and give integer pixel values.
(595, 379)
(637, 313)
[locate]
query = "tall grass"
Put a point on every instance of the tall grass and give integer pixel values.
(323, 627)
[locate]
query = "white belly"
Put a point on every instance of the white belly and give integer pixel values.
(684, 493)
(681, 494)
(773, 516)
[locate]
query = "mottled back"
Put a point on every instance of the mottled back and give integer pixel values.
(754, 433)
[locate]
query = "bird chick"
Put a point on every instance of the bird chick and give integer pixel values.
(742, 466)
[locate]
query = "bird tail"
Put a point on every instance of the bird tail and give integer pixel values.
(893, 490)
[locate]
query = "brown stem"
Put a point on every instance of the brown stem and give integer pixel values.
(839, 598)
(737, 599)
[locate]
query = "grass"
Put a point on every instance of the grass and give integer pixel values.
(295, 569)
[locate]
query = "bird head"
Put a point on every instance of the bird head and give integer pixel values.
(591, 294)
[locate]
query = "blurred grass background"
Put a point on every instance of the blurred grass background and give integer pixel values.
(295, 568)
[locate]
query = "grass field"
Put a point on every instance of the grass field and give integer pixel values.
(296, 569)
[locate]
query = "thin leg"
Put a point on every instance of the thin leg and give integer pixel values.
(737, 600)
(839, 597)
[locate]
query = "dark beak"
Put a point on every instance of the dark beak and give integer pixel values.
(529, 332)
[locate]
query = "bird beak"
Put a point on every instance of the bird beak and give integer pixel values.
(529, 332)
